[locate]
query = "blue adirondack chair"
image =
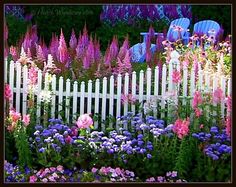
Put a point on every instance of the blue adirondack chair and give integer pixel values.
(138, 51)
(208, 27)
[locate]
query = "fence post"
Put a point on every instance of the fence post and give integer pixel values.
(141, 87)
(75, 97)
(156, 87)
(6, 68)
(149, 76)
(223, 86)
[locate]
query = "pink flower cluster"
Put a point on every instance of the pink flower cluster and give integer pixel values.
(84, 121)
(228, 120)
(33, 76)
(217, 95)
(181, 127)
(197, 100)
(15, 117)
(176, 76)
(52, 174)
(7, 92)
(129, 98)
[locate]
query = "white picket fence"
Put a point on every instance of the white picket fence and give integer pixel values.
(89, 98)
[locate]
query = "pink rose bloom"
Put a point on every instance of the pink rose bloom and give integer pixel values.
(33, 179)
(15, 116)
(8, 93)
(94, 170)
(60, 168)
(84, 121)
(217, 95)
(176, 76)
(201, 126)
(26, 119)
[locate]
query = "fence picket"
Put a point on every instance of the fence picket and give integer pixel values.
(89, 103)
(97, 88)
(38, 95)
(133, 90)
(18, 86)
(149, 88)
(141, 74)
(53, 104)
(223, 82)
(104, 99)
(126, 92)
(229, 87)
(25, 79)
(170, 85)
(82, 93)
(111, 102)
(185, 84)
(6, 68)
(192, 82)
(118, 104)
(68, 100)
(163, 90)
(60, 97)
(75, 95)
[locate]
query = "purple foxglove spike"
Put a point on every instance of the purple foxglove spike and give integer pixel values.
(62, 49)
(62, 41)
(80, 49)
(40, 55)
(73, 40)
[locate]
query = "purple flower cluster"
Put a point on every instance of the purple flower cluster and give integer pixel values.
(114, 174)
(13, 173)
(171, 176)
(217, 142)
(54, 137)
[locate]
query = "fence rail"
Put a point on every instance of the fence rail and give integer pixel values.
(105, 96)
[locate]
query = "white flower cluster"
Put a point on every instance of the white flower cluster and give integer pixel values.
(45, 96)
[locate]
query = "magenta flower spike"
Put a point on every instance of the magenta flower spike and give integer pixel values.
(126, 62)
(27, 41)
(28, 54)
(73, 40)
(97, 52)
(85, 39)
(34, 35)
(114, 48)
(124, 48)
(80, 48)
(62, 49)
(90, 51)
(86, 62)
(107, 57)
(40, 55)
(54, 46)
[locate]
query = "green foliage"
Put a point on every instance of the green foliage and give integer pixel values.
(16, 29)
(23, 148)
(218, 13)
(121, 30)
(54, 17)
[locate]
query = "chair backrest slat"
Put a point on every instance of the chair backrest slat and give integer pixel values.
(205, 26)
